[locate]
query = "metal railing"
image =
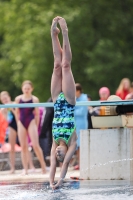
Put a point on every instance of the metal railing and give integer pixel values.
(81, 103)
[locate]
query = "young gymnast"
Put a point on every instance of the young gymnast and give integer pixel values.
(28, 121)
(63, 95)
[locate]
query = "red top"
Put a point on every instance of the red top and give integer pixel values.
(3, 127)
(123, 94)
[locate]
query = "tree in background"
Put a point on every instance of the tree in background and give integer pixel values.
(101, 36)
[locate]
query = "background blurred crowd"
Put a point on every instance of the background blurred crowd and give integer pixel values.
(24, 138)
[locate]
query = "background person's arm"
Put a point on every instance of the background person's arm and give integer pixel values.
(4, 112)
(36, 111)
(80, 111)
(17, 112)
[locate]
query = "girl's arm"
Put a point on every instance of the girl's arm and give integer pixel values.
(65, 165)
(4, 112)
(53, 165)
(13, 109)
(36, 111)
(17, 113)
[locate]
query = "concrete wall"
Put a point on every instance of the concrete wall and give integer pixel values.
(106, 154)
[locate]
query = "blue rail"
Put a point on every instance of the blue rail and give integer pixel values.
(82, 103)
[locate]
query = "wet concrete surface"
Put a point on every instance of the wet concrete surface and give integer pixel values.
(71, 190)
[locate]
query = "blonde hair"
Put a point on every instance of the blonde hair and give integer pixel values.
(27, 82)
(121, 85)
(4, 93)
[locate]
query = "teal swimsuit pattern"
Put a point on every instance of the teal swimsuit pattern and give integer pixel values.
(63, 122)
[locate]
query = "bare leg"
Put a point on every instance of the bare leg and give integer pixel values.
(12, 141)
(76, 167)
(56, 81)
(35, 143)
(31, 165)
(68, 83)
(23, 142)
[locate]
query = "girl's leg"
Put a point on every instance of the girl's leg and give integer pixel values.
(12, 141)
(22, 134)
(56, 81)
(31, 165)
(68, 83)
(33, 133)
(30, 160)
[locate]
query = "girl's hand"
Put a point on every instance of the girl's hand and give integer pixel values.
(52, 185)
(58, 184)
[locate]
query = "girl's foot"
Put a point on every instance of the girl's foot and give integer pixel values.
(12, 171)
(63, 24)
(24, 172)
(44, 171)
(32, 170)
(76, 167)
(54, 29)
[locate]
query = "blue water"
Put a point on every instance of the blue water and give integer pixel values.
(71, 190)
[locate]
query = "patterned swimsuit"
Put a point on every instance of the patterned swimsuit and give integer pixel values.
(63, 122)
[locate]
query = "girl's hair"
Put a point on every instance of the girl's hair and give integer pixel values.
(78, 87)
(27, 82)
(60, 159)
(121, 86)
(4, 93)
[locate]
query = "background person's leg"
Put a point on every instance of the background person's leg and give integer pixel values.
(56, 81)
(30, 161)
(33, 133)
(68, 83)
(23, 142)
(12, 141)
(76, 167)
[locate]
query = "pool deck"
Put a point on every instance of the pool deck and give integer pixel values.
(36, 175)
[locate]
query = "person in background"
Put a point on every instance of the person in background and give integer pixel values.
(130, 95)
(124, 88)
(89, 97)
(45, 137)
(28, 122)
(9, 114)
(80, 115)
(104, 93)
(89, 116)
(3, 128)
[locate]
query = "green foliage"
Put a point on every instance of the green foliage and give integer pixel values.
(100, 35)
